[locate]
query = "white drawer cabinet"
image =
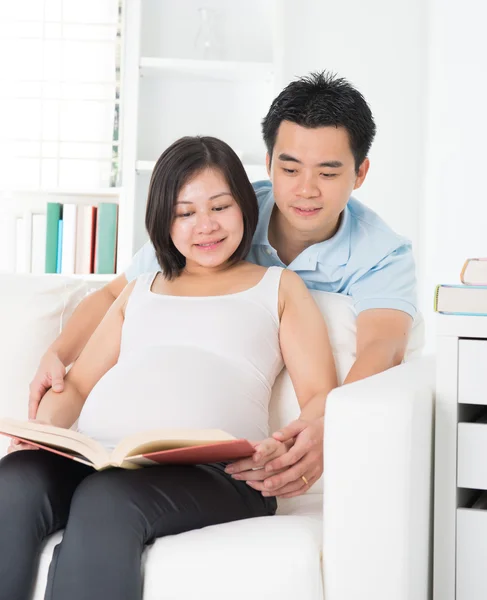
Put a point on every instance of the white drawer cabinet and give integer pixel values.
(471, 554)
(460, 531)
(472, 371)
(472, 456)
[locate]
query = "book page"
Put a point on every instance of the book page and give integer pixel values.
(58, 437)
(166, 439)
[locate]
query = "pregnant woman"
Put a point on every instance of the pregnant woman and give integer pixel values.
(197, 344)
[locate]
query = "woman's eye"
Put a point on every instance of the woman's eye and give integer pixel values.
(219, 208)
(184, 215)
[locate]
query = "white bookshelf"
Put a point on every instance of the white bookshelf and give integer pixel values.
(211, 69)
(169, 90)
(19, 210)
(255, 172)
(36, 200)
(96, 277)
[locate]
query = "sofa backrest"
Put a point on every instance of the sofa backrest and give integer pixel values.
(34, 308)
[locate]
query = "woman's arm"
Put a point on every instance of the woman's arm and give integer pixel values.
(308, 356)
(305, 346)
(98, 356)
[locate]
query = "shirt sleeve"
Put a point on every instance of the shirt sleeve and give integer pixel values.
(144, 261)
(389, 284)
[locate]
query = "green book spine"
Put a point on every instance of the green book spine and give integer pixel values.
(106, 238)
(53, 216)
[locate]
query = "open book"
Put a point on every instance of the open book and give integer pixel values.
(147, 448)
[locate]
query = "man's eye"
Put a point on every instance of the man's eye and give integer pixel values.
(289, 171)
(328, 175)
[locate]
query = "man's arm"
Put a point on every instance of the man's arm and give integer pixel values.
(385, 298)
(382, 337)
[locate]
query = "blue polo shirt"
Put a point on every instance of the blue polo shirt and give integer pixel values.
(365, 259)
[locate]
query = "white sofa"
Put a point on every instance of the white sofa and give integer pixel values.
(374, 514)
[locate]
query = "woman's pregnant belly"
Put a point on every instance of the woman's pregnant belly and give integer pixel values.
(176, 387)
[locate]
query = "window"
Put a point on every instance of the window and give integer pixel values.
(59, 94)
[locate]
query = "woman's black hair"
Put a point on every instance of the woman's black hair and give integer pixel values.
(177, 165)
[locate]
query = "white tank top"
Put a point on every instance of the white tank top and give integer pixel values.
(203, 362)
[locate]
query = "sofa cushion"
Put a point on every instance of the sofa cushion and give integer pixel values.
(265, 557)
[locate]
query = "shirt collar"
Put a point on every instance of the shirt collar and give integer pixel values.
(261, 232)
(335, 251)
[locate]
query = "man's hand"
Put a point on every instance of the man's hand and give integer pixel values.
(252, 468)
(50, 373)
(282, 476)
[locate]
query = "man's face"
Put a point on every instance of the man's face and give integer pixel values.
(313, 175)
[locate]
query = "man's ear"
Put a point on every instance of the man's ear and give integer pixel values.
(362, 173)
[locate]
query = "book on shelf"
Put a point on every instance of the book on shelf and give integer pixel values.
(106, 238)
(474, 271)
(53, 216)
(59, 252)
(94, 221)
(68, 250)
(20, 246)
(27, 250)
(144, 449)
(80, 239)
(84, 234)
(8, 241)
(39, 224)
(461, 299)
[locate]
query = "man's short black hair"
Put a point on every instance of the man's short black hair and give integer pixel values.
(183, 160)
(323, 100)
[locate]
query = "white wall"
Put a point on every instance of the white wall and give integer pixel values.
(421, 66)
(454, 223)
(379, 46)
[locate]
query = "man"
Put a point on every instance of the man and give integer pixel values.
(318, 133)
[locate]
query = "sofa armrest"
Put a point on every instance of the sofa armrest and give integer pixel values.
(378, 453)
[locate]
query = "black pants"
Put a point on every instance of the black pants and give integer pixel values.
(109, 517)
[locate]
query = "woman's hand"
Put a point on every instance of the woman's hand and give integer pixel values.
(50, 374)
(252, 469)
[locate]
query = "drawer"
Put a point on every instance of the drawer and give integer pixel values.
(472, 371)
(471, 554)
(472, 456)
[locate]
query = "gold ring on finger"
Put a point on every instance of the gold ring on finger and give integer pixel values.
(304, 479)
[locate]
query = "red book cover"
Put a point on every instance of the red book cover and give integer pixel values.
(204, 453)
(93, 239)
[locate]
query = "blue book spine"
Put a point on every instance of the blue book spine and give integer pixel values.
(59, 246)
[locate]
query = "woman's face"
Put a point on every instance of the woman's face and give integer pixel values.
(208, 223)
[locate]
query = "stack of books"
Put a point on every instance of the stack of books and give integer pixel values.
(470, 298)
(81, 239)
